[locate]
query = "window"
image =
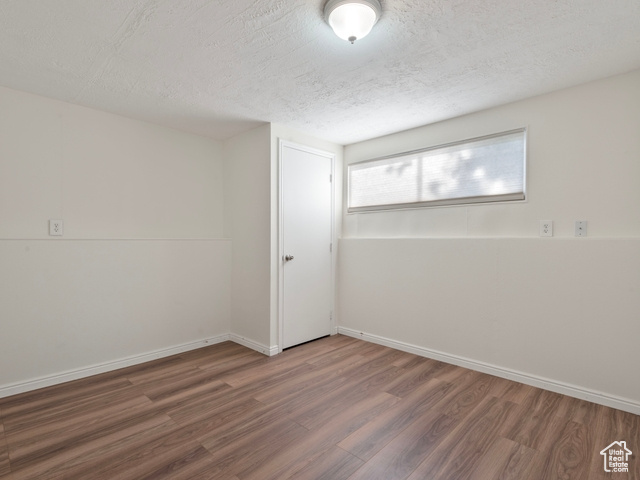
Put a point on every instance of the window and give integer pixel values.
(479, 170)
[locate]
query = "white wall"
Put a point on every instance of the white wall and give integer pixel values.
(583, 150)
(141, 267)
(80, 305)
(247, 222)
(105, 175)
(167, 240)
(476, 284)
(147, 264)
(251, 220)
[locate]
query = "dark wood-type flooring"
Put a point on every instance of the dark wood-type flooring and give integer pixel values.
(337, 408)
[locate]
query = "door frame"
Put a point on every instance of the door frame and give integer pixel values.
(332, 158)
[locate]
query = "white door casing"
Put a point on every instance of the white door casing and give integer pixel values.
(306, 234)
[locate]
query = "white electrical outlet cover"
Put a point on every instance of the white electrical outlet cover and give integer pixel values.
(546, 228)
(56, 227)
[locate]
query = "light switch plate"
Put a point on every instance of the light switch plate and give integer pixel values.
(581, 228)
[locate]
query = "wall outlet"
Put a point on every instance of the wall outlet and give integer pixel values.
(56, 228)
(581, 228)
(546, 228)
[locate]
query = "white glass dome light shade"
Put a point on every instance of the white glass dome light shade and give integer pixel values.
(352, 19)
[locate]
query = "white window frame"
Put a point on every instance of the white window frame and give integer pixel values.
(482, 199)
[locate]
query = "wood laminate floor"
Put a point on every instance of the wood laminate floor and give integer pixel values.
(338, 408)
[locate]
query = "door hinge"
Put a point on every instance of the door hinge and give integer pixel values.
(330, 178)
(331, 247)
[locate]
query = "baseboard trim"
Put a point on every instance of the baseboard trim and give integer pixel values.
(253, 345)
(14, 389)
(6, 391)
(533, 380)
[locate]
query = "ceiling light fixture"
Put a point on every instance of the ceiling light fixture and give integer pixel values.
(352, 19)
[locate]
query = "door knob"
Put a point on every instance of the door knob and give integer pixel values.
(288, 258)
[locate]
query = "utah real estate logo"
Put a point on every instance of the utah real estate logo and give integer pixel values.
(616, 457)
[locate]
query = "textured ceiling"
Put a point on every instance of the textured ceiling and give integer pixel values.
(219, 67)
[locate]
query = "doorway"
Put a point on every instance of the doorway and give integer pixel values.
(306, 244)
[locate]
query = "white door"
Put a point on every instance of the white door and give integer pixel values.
(306, 221)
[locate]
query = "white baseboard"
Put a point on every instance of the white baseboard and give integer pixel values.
(533, 380)
(258, 347)
(6, 391)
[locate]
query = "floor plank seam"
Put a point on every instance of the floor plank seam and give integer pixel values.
(4, 446)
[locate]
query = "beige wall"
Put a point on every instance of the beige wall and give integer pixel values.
(477, 284)
(141, 267)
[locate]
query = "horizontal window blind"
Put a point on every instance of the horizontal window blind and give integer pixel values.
(486, 169)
